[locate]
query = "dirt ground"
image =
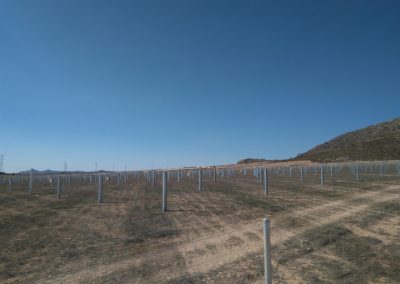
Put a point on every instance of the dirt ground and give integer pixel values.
(343, 232)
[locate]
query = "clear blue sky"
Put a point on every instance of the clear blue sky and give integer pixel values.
(175, 83)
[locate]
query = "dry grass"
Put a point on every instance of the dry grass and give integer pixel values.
(341, 232)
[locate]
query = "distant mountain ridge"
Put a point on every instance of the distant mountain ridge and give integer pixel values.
(375, 142)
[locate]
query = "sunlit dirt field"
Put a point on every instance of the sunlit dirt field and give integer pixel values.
(342, 232)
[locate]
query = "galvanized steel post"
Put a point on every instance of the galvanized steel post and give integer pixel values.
(30, 183)
(265, 181)
(301, 173)
(322, 174)
(100, 191)
(200, 180)
(215, 174)
(398, 167)
(165, 192)
(267, 253)
(58, 188)
(357, 173)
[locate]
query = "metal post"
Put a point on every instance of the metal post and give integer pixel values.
(267, 253)
(200, 180)
(322, 174)
(165, 192)
(30, 183)
(357, 170)
(215, 174)
(100, 191)
(9, 184)
(58, 188)
(266, 181)
(153, 176)
(301, 173)
(398, 167)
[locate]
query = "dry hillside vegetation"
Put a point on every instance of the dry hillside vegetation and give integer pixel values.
(376, 142)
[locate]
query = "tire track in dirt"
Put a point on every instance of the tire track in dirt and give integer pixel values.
(329, 211)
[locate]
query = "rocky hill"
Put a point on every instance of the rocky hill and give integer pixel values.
(376, 142)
